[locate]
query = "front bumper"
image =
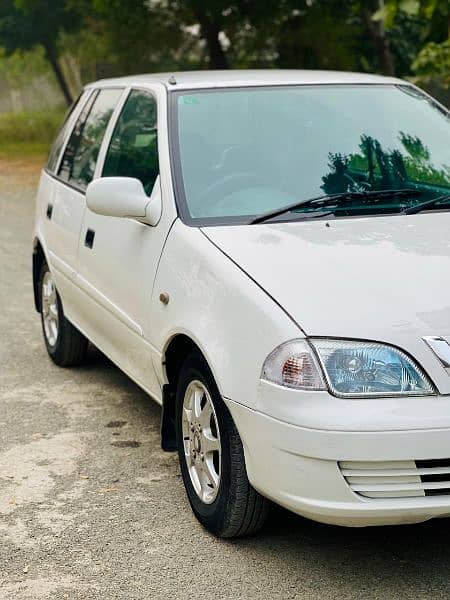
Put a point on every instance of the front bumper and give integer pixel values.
(298, 467)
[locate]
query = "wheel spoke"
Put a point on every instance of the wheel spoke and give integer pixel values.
(210, 443)
(198, 396)
(187, 452)
(205, 415)
(211, 476)
(187, 417)
(196, 481)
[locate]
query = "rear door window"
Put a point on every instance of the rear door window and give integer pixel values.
(81, 153)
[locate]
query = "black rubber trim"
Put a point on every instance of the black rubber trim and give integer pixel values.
(428, 464)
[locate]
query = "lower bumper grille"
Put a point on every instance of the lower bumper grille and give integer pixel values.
(398, 479)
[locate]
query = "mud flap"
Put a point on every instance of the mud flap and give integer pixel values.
(168, 428)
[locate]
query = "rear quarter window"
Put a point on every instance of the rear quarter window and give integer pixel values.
(55, 150)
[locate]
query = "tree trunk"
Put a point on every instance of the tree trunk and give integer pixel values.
(71, 71)
(380, 41)
(210, 33)
(50, 53)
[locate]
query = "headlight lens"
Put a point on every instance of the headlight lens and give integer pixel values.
(355, 369)
(294, 365)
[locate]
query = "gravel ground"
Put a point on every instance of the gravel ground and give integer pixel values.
(90, 507)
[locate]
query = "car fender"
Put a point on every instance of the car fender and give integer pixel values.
(200, 293)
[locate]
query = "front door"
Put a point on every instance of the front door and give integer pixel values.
(118, 257)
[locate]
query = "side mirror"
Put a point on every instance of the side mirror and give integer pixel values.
(124, 197)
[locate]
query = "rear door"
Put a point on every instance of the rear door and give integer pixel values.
(45, 214)
(75, 171)
(118, 257)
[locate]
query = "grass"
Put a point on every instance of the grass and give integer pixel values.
(28, 134)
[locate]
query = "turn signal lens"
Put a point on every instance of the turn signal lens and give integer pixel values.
(293, 365)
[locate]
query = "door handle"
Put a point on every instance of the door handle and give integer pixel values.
(49, 211)
(89, 239)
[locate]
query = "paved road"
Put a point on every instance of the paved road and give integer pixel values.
(84, 514)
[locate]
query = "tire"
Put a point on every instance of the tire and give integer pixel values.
(65, 345)
(232, 508)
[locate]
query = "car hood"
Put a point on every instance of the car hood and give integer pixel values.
(378, 278)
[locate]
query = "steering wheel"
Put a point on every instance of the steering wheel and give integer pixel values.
(216, 192)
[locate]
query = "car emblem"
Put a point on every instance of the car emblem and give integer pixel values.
(441, 348)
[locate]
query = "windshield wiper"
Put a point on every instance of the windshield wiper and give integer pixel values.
(330, 199)
(413, 210)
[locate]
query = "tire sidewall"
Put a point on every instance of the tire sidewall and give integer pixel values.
(196, 369)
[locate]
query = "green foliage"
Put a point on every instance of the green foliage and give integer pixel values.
(433, 14)
(27, 133)
(25, 23)
(433, 63)
(21, 66)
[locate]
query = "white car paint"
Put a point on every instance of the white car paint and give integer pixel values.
(239, 292)
(393, 269)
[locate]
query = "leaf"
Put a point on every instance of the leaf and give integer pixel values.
(410, 7)
(380, 14)
(387, 14)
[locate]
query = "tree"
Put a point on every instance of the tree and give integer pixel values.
(433, 59)
(433, 64)
(371, 11)
(27, 23)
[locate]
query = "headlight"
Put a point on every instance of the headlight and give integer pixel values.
(294, 365)
(352, 369)
(355, 369)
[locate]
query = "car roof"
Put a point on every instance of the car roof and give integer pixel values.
(238, 78)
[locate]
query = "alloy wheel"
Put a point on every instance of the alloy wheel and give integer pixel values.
(50, 317)
(201, 440)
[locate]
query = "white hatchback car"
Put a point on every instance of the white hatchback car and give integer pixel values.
(267, 254)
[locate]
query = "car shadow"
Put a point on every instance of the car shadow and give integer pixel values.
(382, 562)
(405, 561)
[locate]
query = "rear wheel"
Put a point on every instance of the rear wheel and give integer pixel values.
(212, 457)
(65, 345)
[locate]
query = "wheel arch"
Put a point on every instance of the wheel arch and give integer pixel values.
(175, 353)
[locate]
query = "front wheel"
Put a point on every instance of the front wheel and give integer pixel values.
(65, 345)
(212, 457)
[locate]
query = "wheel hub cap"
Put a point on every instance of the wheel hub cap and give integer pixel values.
(201, 439)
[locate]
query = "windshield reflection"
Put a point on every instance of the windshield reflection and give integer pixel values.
(375, 167)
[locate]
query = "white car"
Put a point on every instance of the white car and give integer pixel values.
(267, 254)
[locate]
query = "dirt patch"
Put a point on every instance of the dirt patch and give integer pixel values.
(126, 444)
(17, 172)
(116, 424)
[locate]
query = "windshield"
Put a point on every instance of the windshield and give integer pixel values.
(243, 152)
